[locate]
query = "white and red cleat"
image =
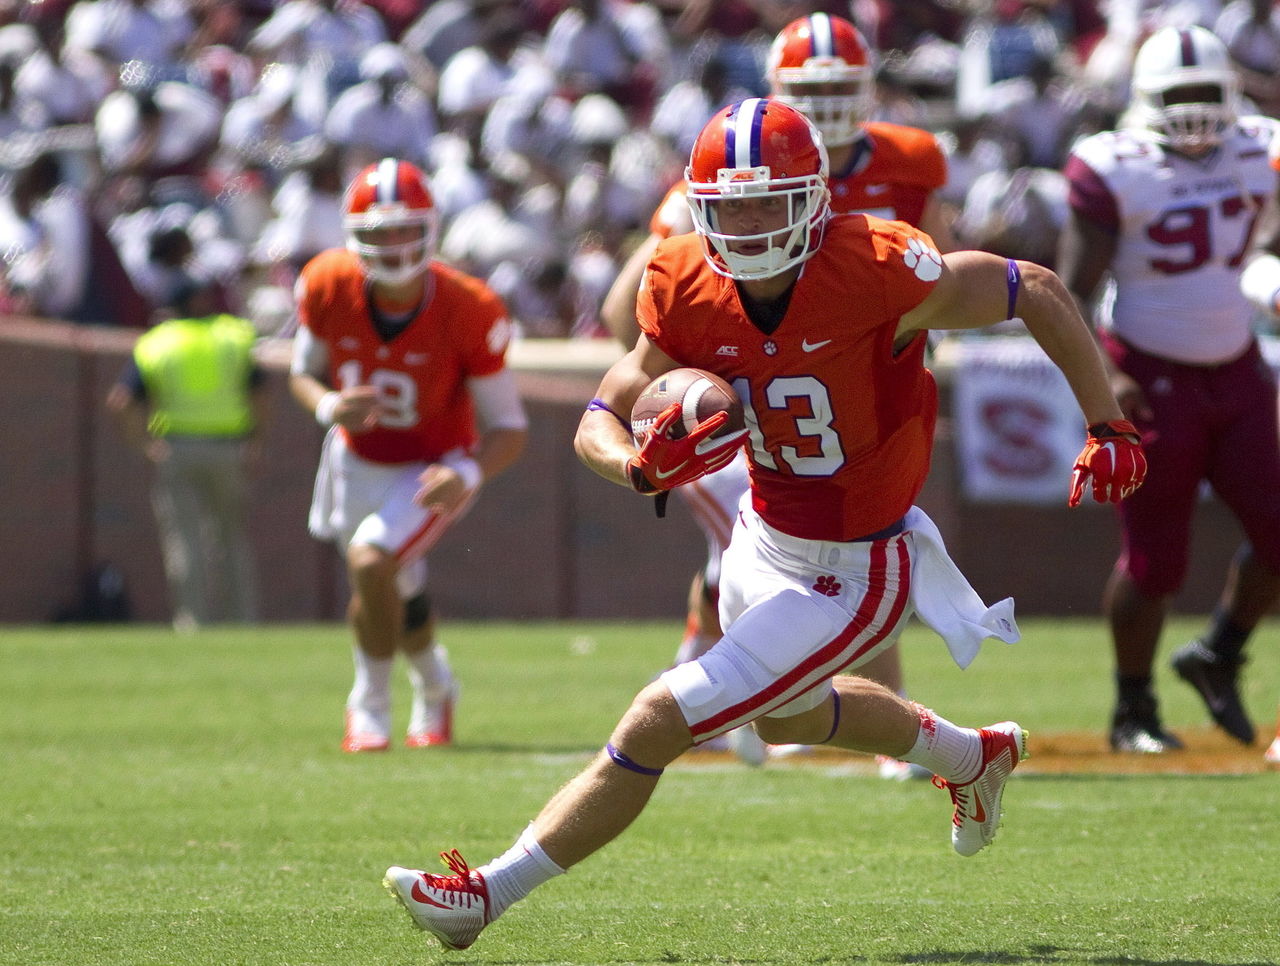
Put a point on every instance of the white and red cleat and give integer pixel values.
(977, 802)
(453, 908)
(364, 733)
(431, 722)
(1272, 754)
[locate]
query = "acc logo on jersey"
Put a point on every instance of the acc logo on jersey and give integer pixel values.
(926, 262)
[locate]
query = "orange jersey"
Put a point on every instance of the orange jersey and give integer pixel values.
(841, 429)
(420, 374)
(893, 172)
(672, 216)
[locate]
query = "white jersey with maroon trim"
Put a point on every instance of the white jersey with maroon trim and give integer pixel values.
(1183, 230)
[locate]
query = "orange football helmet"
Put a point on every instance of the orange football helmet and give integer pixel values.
(821, 65)
(756, 148)
(391, 220)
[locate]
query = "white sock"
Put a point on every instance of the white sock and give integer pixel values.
(371, 691)
(947, 750)
(429, 672)
(517, 872)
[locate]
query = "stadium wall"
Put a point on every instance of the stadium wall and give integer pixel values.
(547, 540)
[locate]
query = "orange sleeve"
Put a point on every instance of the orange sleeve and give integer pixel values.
(672, 216)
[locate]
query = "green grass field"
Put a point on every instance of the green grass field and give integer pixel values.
(171, 800)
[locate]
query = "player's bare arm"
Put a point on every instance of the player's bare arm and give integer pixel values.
(618, 311)
(975, 290)
(354, 408)
(1260, 281)
(1085, 252)
(603, 441)
(504, 430)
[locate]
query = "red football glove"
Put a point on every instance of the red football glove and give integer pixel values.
(664, 463)
(1114, 462)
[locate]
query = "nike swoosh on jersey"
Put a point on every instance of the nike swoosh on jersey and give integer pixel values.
(808, 346)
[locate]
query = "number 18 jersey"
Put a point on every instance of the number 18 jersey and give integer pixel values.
(1183, 228)
(425, 409)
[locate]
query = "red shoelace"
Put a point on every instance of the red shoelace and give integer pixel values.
(459, 886)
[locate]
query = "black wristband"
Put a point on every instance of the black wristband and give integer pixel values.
(1103, 431)
(639, 482)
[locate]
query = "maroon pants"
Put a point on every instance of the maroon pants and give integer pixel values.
(1214, 423)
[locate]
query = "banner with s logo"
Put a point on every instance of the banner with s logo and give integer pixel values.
(1017, 425)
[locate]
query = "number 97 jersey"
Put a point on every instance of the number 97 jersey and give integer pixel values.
(1183, 228)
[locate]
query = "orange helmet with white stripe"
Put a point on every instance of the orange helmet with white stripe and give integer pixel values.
(391, 220)
(821, 65)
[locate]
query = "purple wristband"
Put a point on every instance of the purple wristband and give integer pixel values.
(1015, 282)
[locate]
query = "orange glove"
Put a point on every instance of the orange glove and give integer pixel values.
(1113, 459)
(664, 462)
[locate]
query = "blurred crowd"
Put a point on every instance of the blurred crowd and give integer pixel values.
(142, 141)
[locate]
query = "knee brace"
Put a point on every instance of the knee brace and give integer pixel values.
(417, 611)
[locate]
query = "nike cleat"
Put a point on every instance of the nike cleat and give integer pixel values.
(431, 722)
(364, 733)
(977, 802)
(1136, 728)
(453, 908)
(1214, 678)
(748, 746)
(1272, 754)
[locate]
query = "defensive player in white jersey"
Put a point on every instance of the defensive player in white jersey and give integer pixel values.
(1168, 205)
(821, 65)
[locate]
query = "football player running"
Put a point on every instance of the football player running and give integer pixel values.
(829, 558)
(403, 359)
(821, 65)
(1168, 204)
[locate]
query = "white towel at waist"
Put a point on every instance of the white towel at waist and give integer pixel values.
(320, 516)
(945, 601)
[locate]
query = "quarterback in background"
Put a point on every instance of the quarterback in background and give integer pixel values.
(403, 359)
(1168, 204)
(822, 66)
(829, 318)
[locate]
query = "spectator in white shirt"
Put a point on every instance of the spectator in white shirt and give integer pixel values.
(385, 115)
(1251, 31)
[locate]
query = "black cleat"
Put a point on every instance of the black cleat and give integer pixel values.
(1214, 677)
(1136, 728)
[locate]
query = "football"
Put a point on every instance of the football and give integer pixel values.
(701, 395)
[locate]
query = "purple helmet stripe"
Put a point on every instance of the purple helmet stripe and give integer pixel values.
(742, 134)
(1188, 49)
